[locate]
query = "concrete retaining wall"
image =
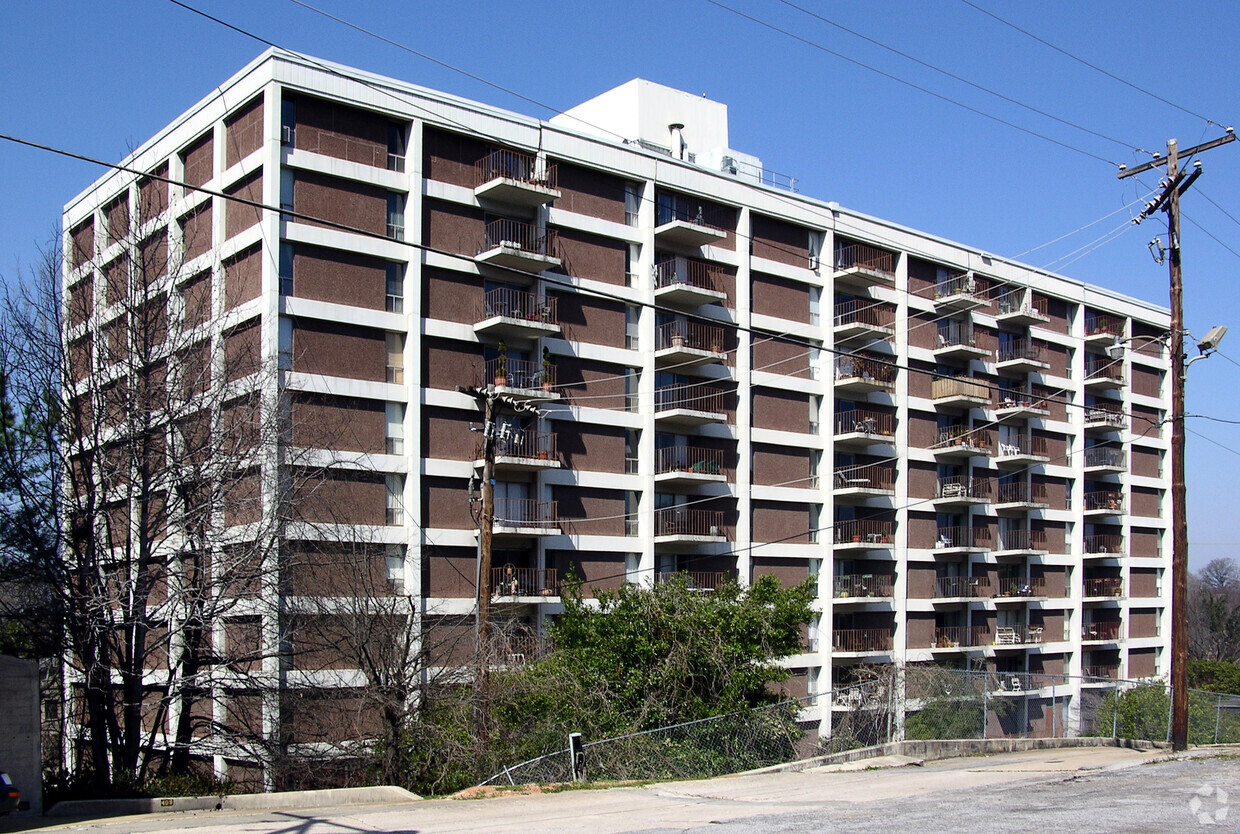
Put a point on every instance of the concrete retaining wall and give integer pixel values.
(20, 754)
(90, 808)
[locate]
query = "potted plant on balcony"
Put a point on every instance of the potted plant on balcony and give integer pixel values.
(501, 365)
(546, 369)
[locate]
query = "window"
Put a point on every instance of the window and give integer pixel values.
(396, 147)
(396, 358)
(632, 202)
(631, 383)
(395, 563)
(631, 518)
(396, 216)
(632, 319)
(286, 343)
(632, 463)
(288, 181)
(395, 494)
(395, 293)
(286, 269)
(288, 121)
(632, 563)
(395, 413)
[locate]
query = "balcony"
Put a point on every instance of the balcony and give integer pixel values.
(861, 427)
(686, 282)
(689, 404)
(1101, 671)
(1020, 543)
(1021, 495)
(515, 244)
(864, 534)
(687, 343)
(962, 539)
(959, 392)
(1019, 401)
(1022, 450)
(1014, 635)
(1104, 545)
(695, 580)
(513, 582)
(956, 341)
(1104, 372)
(521, 379)
(1022, 307)
(688, 465)
(1103, 418)
(950, 638)
(514, 178)
(523, 450)
(509, 313)
(861, 375)
(962, 491)
(1106, 587)
(690, 228)
(1020, 588)
(962, 587)
(1103, 328)
(959, 292)
(1105, 459)
(526, 517)
(963, 442)
(1021, 356)
(862, 586)
(863, 481)
(685, 525)
(1104, 502)
(861, 265)
(1107, 632)
(861, 640)
(857, 318)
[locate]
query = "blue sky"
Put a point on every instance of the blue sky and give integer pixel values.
(98, 78)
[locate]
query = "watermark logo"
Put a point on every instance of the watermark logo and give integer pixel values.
(1209, 805)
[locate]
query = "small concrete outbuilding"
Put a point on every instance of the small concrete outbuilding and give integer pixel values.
(20, 756)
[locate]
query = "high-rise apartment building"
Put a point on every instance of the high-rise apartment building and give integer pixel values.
(730, 378)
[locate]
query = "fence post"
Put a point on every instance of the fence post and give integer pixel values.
(576, 758)
(985, 701)
(1218, 713)
(1115, 712)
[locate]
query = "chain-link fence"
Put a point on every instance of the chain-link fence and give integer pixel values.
(889, 703)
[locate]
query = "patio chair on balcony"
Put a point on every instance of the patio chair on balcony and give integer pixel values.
(943, 542)
(953, 490)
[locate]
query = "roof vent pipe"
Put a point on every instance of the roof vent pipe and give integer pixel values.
(678, 143)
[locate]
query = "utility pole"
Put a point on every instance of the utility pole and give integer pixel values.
(1169, 201)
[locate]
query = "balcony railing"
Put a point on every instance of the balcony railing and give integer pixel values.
(1025, 350)
(963, 487)
(863, 256)
(865, 421)
(1018, 396)
(697, 214)
(519, 373)
(1021, 301)
(514, 165)
(517, 649)
(962, 536)
(864, 311)
(692, 396)
(955, 334)
(1009, 586)
(517, 234)
(869, 531)
(1104, 499)
(1108, 671)
(861, 367)
(865, 476)
(863, 585)
(697, 580)
(861, 640)
(1105, 456)
(1021, 540)
(1106, 586)
(689, 334)
(1021, 492)
(1023, 444)
(1101, 631)
(688, 272)
(526, 513)
(946, 387)
(964, 436)
(1101, 324)
(951, 637)
(962, 586)
(1105, 415)
(1105, 543)
(509, 581)
(688, 459)
(1016, 635)
(684, 521)
(526, 443)
(1104, 367)
(518, 304)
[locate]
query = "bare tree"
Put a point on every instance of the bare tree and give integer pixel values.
(1214, 611)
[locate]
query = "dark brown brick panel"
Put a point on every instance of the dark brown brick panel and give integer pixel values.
(238, 216)
(339, 277)
(335, 349)
(778, 240)
(243, 131)
(584, 446)
(592, 256)
(590, 512)
(351, 203)
(780, 297)
(341, 423)
(450, 157)
(452, 296)
(585, 318)
(199, 160)
(590, 192)
(782, 522)
(780, 465)
(782, 410)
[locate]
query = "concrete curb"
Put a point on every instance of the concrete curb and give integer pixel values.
(933, 750)
(87, 808)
